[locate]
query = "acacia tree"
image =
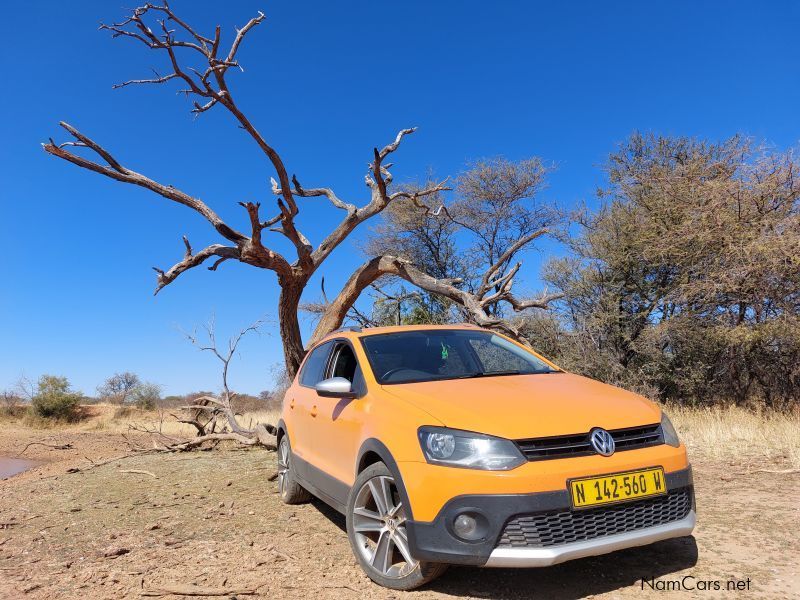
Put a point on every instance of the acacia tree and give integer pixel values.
(201, 66)
(119, 387)
(687, 280)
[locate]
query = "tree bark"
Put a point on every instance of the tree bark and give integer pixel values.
(289, 324)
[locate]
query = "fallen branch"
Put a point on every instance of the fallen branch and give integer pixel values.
(139, 471)
(774, 471)
(214, 417)
(193, 590)
(105, 462)
(53, 446)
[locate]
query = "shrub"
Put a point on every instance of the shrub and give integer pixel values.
(123, 411)
(146, 395)
(54, 399)
(243, 403)
(10, 403)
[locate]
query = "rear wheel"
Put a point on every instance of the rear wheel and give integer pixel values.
(291, 492)
(376, 527)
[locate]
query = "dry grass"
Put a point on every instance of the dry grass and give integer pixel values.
(726, 433)
(739, 435)
(107, 418)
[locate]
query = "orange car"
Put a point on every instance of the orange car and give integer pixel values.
(455, 445)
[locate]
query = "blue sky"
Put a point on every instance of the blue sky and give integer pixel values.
(326, 82)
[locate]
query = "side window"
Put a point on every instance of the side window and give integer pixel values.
(314, 367)
(344, 362)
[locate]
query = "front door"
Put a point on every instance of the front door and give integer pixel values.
(337, 426)
(301, 406)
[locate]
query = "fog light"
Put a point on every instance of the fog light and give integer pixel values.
(465, 527)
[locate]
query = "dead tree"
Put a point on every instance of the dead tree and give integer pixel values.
(213, 417)
(158, 28)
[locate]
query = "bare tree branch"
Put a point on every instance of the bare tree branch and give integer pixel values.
(115, 170)
(192, 260)
(510, 251)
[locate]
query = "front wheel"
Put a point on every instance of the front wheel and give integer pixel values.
(376, 527)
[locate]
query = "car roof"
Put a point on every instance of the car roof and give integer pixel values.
(358, 332)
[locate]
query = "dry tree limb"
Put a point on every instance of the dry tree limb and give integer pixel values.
(110, 460)
(53, 446)
(774, 471)
(193, 590)
(213, 417)
(139, 471)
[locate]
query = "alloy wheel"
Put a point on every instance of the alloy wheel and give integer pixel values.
(283, 465)
(379, 525)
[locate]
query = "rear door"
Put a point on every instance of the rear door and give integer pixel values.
(301, 402)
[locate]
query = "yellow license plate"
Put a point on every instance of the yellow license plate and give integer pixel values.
(620, 487)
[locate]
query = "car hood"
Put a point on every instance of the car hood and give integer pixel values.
(526, 406)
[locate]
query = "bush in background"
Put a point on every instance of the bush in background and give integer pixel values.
(118, 388)
(54, 399)
(11, 403)
(146, 396)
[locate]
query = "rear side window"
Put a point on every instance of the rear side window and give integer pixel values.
(314, 368)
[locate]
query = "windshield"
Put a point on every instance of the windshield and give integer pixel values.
(431, 355)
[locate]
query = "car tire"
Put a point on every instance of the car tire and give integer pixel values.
(377, 533)
(291, 492)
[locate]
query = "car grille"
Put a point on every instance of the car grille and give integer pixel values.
(565, 526)
(567, 446)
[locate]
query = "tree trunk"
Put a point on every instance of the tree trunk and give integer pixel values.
(288, 305)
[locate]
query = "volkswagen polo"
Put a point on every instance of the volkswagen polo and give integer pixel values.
(456, 445)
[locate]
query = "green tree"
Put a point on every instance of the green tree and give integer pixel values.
(54, 398)
(476, 241)
(686, 280)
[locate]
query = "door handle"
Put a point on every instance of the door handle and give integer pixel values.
(314, 411)
(291, 403)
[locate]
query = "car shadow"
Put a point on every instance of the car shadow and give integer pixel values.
(333, 515)
(573, 579)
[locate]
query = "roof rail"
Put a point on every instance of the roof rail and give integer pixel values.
(353, 328)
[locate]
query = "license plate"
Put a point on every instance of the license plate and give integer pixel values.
(619, 487)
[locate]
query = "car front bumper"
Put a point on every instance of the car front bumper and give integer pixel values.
(435, 541)
(544, 557)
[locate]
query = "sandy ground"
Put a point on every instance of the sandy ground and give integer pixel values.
(212, 519)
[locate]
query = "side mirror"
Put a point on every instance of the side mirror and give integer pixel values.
(335, 387)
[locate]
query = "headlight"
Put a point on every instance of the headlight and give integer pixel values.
(668, 430)
(442, 446)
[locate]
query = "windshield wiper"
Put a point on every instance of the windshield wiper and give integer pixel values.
(489, 374)
(501, 373)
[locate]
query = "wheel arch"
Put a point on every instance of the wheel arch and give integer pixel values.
(373, 451)
(281, 431)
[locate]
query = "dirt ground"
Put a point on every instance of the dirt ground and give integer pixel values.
(213, 519)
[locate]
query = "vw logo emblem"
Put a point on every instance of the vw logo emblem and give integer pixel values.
(602, 441)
